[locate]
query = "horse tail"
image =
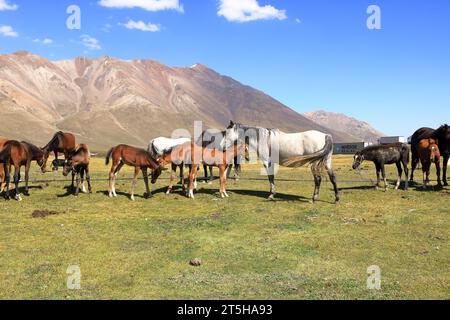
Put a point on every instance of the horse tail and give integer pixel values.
(108, 156)
(316, 159)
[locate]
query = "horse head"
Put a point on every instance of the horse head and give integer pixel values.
(156, 173)
(357, 160)
(67, 168)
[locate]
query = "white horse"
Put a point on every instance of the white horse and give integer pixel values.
(159, 146)
(290, 150)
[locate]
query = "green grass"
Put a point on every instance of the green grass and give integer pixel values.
(251, 248)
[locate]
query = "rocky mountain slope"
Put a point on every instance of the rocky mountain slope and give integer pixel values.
(340, 122)
(107, 101)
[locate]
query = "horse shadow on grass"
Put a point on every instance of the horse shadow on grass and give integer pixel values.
(136, 195)
(279, 197)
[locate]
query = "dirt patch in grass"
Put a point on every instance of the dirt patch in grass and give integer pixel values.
(43, 213)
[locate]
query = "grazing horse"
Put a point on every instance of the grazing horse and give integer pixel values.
(19, 154)
(397, 153)
(162, 145)
(78, 164)
(140, 159)
(428, 154)
(290, 150)
(442, 135)
(61, 142)
(192, 154)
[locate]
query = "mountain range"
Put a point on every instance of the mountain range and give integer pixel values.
(107, 101)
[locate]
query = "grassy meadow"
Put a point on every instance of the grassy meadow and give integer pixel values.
(250, 248)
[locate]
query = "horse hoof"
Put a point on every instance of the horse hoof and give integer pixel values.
(18, 198)
(338, 202)
(271, 197)
(132, 198)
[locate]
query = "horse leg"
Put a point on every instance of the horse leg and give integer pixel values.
(27, 178)
(405, 168)
(383, 172)
(16, 182)
(134, 183)
(438, 172)
(211, 175)
(2, 178)
(72, 187)
(415, 162)
(7, 179)
(222, 173)
(333, 181)
(317, 183)
(77, 190)
(205, 169)
(148, 193)
(400, 172)
(88, 179)
(445, 166)
(378, 168)
(115, 168)
(173, 172)
(83, 186)
(192, 175)
(183, 180)
(271, 177)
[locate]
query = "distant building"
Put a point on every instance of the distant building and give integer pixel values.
(389, 140)
(349, 148)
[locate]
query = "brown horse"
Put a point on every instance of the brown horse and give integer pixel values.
(19, 154)
(442, 136)
(78, 164)
(140, 159)
(2, 169)
(429, 153)
(61, 142)
(192, 154)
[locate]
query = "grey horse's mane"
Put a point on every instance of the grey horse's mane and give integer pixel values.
(263, 134)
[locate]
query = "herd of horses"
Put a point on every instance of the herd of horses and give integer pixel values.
(225, 150)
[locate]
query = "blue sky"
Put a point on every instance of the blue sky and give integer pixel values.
(309, 54)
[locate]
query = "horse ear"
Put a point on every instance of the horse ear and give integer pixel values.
(231, 124)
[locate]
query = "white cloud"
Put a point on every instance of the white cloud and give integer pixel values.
(90, 42)
(149, 5)
(298, 20)
(248, 10)
(141, 25)
(4, 5)
(8, 31)
(43, 41)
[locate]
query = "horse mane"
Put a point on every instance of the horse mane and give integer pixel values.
(441, 132)
(34, 149)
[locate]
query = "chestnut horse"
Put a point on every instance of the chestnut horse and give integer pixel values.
(192, 154)
(442, 136)
(429, 153)
(61, 142)
(140, 159)
(78, 164)
(19, 154)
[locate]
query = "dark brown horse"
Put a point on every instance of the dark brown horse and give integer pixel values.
(78, 164)
(19, 154)
(193, 154)
(140, 159)
(428, 154)
(61, 142)
(442, 135)
(397, 153)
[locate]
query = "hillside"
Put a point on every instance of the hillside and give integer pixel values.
(107, 101)
(340, 122)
